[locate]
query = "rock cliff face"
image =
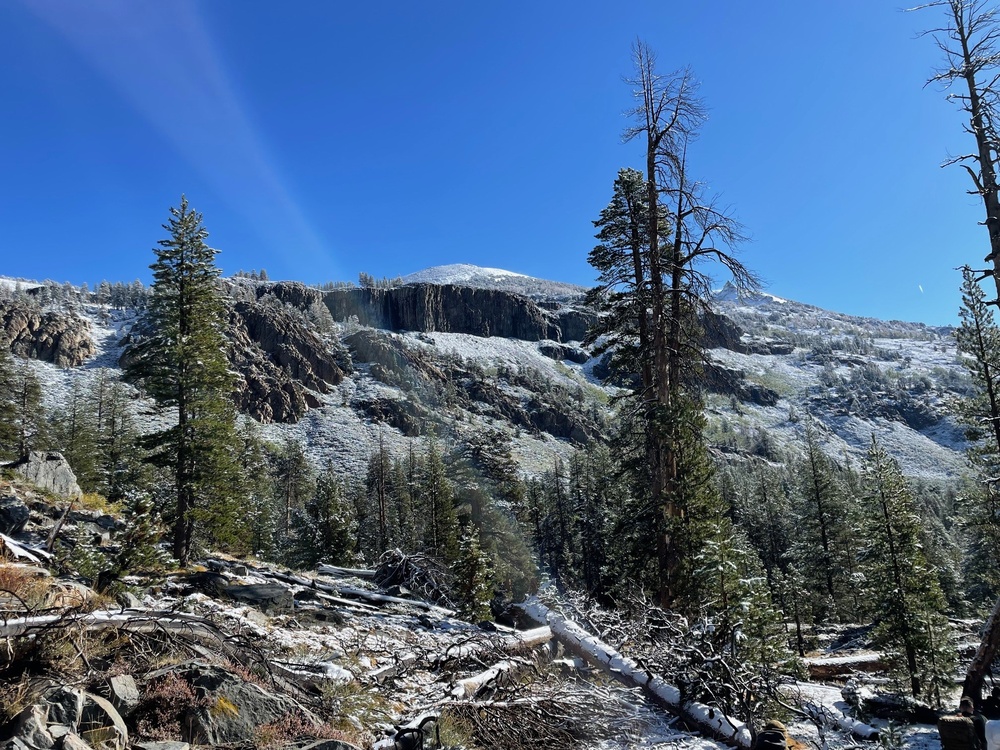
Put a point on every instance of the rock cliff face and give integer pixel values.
(447, 309)
(282, 362)
(49, 471)
(60, 338)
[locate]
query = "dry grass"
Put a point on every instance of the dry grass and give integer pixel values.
(95, 501)
(22, 588)
(14, 697)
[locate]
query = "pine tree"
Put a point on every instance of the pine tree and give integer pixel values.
(8, 424)
(139, 548)
(659, 229)
(438, 501)
(324, 528)
(293, 483)
(734, 592)
(379, 482)
(978, 339)
(473, 577)
(180, 358)
(259, 507)
(910, 626)
(823, 552)
(29, 417)
(74, 433)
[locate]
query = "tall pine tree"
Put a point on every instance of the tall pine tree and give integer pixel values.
(910, 625)
(180, 359)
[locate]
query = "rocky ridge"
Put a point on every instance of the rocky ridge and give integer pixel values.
(50, 336)
(344, 370)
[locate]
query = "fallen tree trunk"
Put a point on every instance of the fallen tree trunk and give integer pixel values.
(517, 642)
(857, 728)
(831, 667)
(500, 672)
(335, 571)
(709, 720)
(351, 592)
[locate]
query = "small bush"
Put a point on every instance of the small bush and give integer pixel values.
(166, 705)
(293, 727)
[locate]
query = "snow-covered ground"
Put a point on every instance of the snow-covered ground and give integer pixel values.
(465, 274)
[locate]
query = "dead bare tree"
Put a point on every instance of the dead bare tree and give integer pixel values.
(684, 230)
(969, 41)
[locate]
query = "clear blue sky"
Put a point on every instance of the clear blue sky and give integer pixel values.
(322, 138)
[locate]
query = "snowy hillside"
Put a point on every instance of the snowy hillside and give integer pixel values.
(855, 377)
(790, 365)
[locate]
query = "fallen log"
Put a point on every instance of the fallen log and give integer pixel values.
(351, 592)
(709, 720)
(335, 571)
(831, 667)
(517, 642)
(502, 671)
(857, 728)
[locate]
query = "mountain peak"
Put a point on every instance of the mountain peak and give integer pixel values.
(479, 277)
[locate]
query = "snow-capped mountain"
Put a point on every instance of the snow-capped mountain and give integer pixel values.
(477, 277)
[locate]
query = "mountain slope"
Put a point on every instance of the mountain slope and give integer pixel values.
(367, 367)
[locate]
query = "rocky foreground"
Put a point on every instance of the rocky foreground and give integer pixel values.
(243, 654)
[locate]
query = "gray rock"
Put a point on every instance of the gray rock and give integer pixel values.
(267, 596)
(72, 741)
(65, 706)
(58, 731)
(238, 570)
(235, 708)
(31, 728)
(49, 471)
(129, 600)
(166, 745)
(14, 514)
(53, 336)
(447, 308)
(101, 725)
(123, 693)
(13, 744)
(329, 745)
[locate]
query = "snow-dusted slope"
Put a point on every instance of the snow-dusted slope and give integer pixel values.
(464, 274)
(854, 377)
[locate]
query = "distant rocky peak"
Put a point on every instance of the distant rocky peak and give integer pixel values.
(498, 279)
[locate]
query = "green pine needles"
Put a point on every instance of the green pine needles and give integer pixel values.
(180, 359)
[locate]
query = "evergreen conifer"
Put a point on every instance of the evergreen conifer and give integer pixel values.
(180, 359)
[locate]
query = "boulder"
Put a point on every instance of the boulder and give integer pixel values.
(233, 708)
(14, 514)
(72, 741)
(32, 728)
(65, 706)
(123, 693)
(265, 596)
(101, 725)
(49, 471)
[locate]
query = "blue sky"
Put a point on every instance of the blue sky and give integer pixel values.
(320, 139)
